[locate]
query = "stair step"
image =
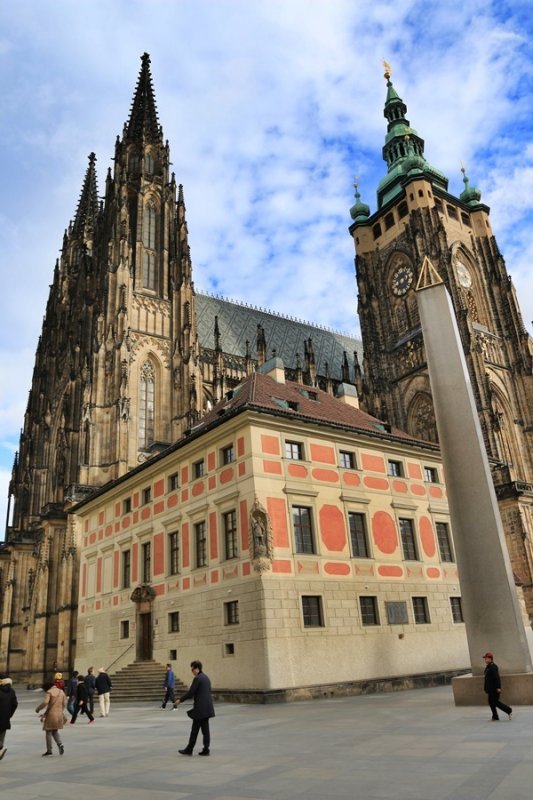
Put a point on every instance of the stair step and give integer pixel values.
(141, 681)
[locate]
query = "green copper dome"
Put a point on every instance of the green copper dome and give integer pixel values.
(359, 212)
(470, 195)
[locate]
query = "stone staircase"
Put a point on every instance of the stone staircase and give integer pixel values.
(141, 682)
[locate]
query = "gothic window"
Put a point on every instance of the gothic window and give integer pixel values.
(146, 405)
(133, 163)
(149, 164)
(149, 271)
(421, 418)
(149, 221)
(86, 442)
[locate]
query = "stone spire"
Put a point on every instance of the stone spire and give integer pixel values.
(143, 124)
(87, 211)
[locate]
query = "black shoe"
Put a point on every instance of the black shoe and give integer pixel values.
(185, 752)
(48, 753)
(61, 749)
(204, 752)
(495, 719)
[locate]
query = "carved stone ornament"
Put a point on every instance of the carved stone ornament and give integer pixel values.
(142, 593)
(261, 548)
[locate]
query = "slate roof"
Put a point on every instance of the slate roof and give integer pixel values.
(238, 323)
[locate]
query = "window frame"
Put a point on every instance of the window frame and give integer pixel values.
(444, 542)
(146, 562)
(173, 622)
(304, 536)
(146, 495)
(312, 617)
(173, 545)
(370, 615)
(395, 468)
(408, 539)
(200, 544)
(352, 462)
(125, 568)
(358, 535)
(230, 534)
(423, 618)
(198, 469)
(294, 451)
(456, 607)
(231, 612)
(431, 475)
(173, 482)
(227, 455)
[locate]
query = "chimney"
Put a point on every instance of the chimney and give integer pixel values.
(274, 368)
(347, 393)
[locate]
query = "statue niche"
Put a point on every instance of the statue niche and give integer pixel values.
(261, 548)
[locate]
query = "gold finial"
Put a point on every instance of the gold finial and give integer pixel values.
(356, 182)
(388, 69)
(463, 168)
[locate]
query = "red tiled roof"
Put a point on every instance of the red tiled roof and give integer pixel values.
(262, 393)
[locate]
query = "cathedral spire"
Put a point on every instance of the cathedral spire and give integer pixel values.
(87, 210)
(143, 123)
(403, 149)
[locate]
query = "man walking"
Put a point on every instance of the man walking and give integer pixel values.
(103, 687)
(493, 687)
(168, 685)
(202, 709)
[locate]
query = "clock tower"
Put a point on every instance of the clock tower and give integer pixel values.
(417, 216)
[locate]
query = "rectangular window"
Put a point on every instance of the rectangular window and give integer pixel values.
(395, 469)
(358, 535)
(201, 544)
(231, 612)
(369, 610)
(126, 569)
(431, 475)
(294, 451)
(445, 543)
(173, 482)
(229, 520)
(198, 469)
(346, 459)
(147, 495)
(173, 553)
(124, 629)
(457, 609)
(396, 611)
(174, 622)
(126, 505)
(407, 533)
(303, 529)
(312, 611)
(147, 562)
(421, 610)
(227, 455)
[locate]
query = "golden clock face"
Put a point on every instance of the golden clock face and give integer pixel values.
(463, 275)
(402, 280)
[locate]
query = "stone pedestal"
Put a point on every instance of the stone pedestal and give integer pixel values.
(517, 689)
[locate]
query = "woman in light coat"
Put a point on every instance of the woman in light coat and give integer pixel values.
(53, 717)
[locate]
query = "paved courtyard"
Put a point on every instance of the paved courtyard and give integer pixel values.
(412, 745)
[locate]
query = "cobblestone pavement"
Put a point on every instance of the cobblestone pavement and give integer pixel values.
(412, 745)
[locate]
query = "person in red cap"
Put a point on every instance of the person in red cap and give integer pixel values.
(493, 687)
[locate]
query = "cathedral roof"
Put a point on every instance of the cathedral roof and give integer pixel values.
(238, 323)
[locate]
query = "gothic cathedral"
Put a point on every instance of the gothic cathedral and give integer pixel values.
(130, 356)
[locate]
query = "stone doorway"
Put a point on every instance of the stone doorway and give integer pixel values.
(143, 596)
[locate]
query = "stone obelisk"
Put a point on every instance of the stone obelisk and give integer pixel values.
(490, 606)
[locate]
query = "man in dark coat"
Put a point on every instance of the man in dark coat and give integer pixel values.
(202, 709)
(493, 687)
(8, 705)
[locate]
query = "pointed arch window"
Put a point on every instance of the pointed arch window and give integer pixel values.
(149, 271)
(146, 405)
(149, 222)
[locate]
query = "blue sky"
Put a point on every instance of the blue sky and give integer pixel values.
(270, 108)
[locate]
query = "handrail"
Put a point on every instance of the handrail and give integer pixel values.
(120, 656)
